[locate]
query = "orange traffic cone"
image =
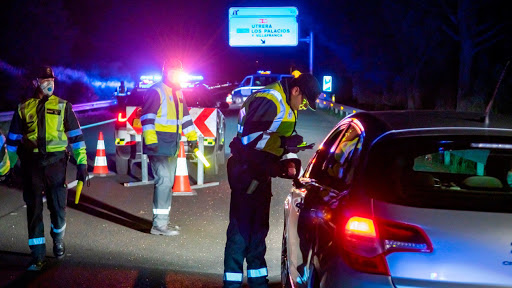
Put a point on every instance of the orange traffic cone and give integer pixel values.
(100, 162)
(181, 182)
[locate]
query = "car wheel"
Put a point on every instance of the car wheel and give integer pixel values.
(121, 165)
(285, 275)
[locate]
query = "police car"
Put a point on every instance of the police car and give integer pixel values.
(252, 83)
(209, 122)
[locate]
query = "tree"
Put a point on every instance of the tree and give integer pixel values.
(473, 33)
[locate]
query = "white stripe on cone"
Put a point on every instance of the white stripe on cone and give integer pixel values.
(181, 170)
(100, 161)
(101, 145)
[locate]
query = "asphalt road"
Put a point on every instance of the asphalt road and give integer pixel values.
(107, 235)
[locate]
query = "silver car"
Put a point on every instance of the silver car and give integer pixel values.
(403, 199)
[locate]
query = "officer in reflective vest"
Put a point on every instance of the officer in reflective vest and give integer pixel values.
(5, 164)
(165, 117)
(40, 131)
(266, 132)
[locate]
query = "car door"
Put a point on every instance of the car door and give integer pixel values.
(324, 181)
(246, 87)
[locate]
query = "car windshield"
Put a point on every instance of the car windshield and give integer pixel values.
(448, 173)
(264, 80)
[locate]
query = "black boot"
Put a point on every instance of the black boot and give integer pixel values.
(37, 264)
(58, 249)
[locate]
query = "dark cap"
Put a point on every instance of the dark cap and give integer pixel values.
(309, 86)
(172, 64)
(44, 72)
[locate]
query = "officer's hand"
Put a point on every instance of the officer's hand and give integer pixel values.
(152, 148)
(192, 145)
(291, 141)
(81, 172)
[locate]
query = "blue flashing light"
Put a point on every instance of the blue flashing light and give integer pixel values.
(264, 72)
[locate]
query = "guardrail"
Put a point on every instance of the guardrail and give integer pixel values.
(7, 116)
(325, 103)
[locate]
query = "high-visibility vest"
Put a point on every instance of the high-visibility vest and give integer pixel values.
(275, 118)
(60, 127)
(167, 124)
(4, 158)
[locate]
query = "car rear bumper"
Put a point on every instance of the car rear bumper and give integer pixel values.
(338, 274)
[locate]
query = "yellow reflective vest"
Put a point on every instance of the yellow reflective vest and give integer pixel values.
(165, 117)
(264, 117)
(4, 158)
(45, 126)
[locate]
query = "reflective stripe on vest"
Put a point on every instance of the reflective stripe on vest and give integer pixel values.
(56, 139)
(167, 118)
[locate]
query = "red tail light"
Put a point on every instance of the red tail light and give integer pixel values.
(366, 242)
(120, 117)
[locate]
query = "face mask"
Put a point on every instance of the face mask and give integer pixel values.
(47, 87)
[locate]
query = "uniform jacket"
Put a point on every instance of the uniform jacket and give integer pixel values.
(264, 117)
(164, 117)
(45, 127)
(4, 158)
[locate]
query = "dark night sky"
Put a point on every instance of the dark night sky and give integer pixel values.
(138, 34)
(383, 47)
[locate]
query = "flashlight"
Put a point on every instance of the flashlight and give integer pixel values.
(201, 157)
(79, 186)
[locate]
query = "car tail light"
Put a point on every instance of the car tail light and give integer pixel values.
(120, 117)
(366, 242)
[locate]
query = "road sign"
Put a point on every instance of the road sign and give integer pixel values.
(327, 84)
(263, 26)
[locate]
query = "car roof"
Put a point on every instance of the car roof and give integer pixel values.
(428, 122)
(272, 75)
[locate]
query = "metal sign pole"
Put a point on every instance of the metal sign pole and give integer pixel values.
(144, 169)
(200, 167)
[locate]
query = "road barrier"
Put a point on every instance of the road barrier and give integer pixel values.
(7, 116)
(324, 102)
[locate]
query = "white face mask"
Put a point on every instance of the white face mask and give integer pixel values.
(47, 86)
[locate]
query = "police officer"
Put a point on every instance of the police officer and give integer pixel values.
(40, 131)
(4, 159)
(266, 132)
(164, 117)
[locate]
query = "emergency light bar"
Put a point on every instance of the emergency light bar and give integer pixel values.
(154, 78)
(264, 72)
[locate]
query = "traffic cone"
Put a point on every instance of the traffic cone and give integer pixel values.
(100, 162)
(181, 182)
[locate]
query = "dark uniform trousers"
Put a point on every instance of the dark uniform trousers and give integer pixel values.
(51, 179)
(248, 226)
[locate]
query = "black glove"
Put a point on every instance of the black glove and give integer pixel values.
(81, 172)
(153, 148)
(192, 145)
(291, 141)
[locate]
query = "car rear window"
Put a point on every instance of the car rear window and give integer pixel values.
(264, 80)
(449, 173)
